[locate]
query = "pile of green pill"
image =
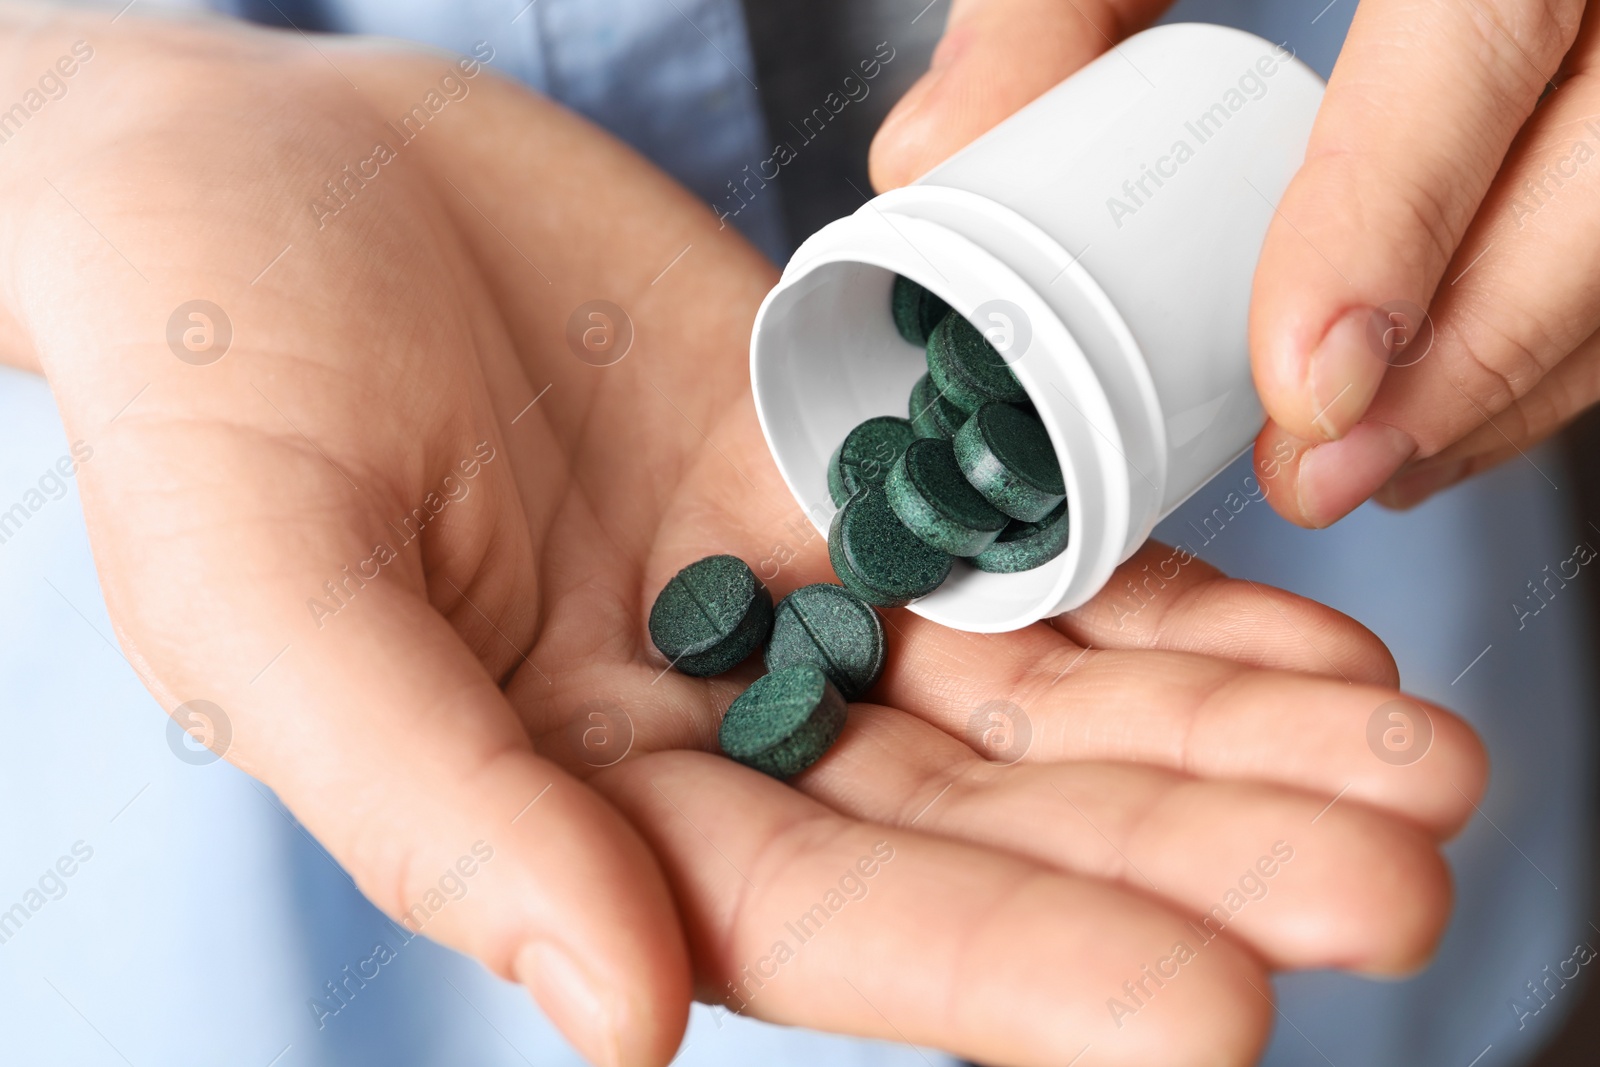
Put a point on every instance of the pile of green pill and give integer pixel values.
(824, 646)
(971, 474)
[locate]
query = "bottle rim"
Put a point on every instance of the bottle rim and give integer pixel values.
(799, 347)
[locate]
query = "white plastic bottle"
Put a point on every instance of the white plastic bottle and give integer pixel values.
(1104, 237)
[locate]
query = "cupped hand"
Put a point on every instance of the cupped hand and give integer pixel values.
(406, 529)
(1423, 304)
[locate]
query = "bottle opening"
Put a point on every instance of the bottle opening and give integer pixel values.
(826, 356)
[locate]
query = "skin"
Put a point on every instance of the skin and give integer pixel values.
(449, 698)
(1414, 190)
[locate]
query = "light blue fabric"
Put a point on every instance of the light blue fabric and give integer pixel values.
(206, 922)
(673, 78)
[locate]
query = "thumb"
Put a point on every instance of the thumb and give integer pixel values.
(1364, 233)
(382, 730)
(995, 56)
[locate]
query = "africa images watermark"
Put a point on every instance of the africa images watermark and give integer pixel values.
(51, 885)
(1140, 590)
(852, 885)
(51, 85)
(50, 486)
(1540, 994)
(452, 886)
(1252, 886)
(853, 89)
(339, 591)
(346, 185)
(1537, 194)
(1251, 86)
(783, 553)
(1541, 596)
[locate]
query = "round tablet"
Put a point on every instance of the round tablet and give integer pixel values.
(711, 616)
(967, 369)
(784, 722)
(931, 414)
(916, 311)
(829, 628)
(1007, 456)
(866, 454)
(934, 500)
(1023, 546)
(877, 558)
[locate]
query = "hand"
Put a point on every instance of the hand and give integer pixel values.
(1435, 179)
(405, 364)
(1419, 192)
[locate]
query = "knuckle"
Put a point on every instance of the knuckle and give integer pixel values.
(953, 777)
(1497, 359)
(1560, 398)
(1416, 205)
(1034, 678)
(1438, 211)
(791, 848)
(1527, 38)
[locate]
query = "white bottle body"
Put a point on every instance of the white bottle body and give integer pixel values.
(1106, 238)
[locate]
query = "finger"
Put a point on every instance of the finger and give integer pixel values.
(1561, 396)
(1516, 301)
(1172, 708)
(1405, 145)
(1168, 598)
(995, 56)
(1190, 713)
(1301, 883)
(800, 916)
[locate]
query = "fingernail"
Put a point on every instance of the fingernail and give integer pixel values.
(1335, 478)
(1413, 487)
(1344, 373)
(573, 1001)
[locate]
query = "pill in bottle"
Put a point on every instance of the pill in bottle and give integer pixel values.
(1104, 239)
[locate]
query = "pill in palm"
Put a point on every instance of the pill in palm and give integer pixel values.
(866, 454)
(711, 616)
(967, 369)
(916, 311)
(1023, 546)
(1007, 456)
(784, 722)
(877, 558)
(933, 498)
(832, 629)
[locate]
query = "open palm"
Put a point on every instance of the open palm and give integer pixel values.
(405, 534)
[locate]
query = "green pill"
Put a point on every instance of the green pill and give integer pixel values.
(967, 369)
(1007, 456)
(916, 311)
(866, 454)
(1023, 546)
(934, 500)
(711, 616)
(931, 414)
(829, 628)
(877, 558)
(784, 722)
